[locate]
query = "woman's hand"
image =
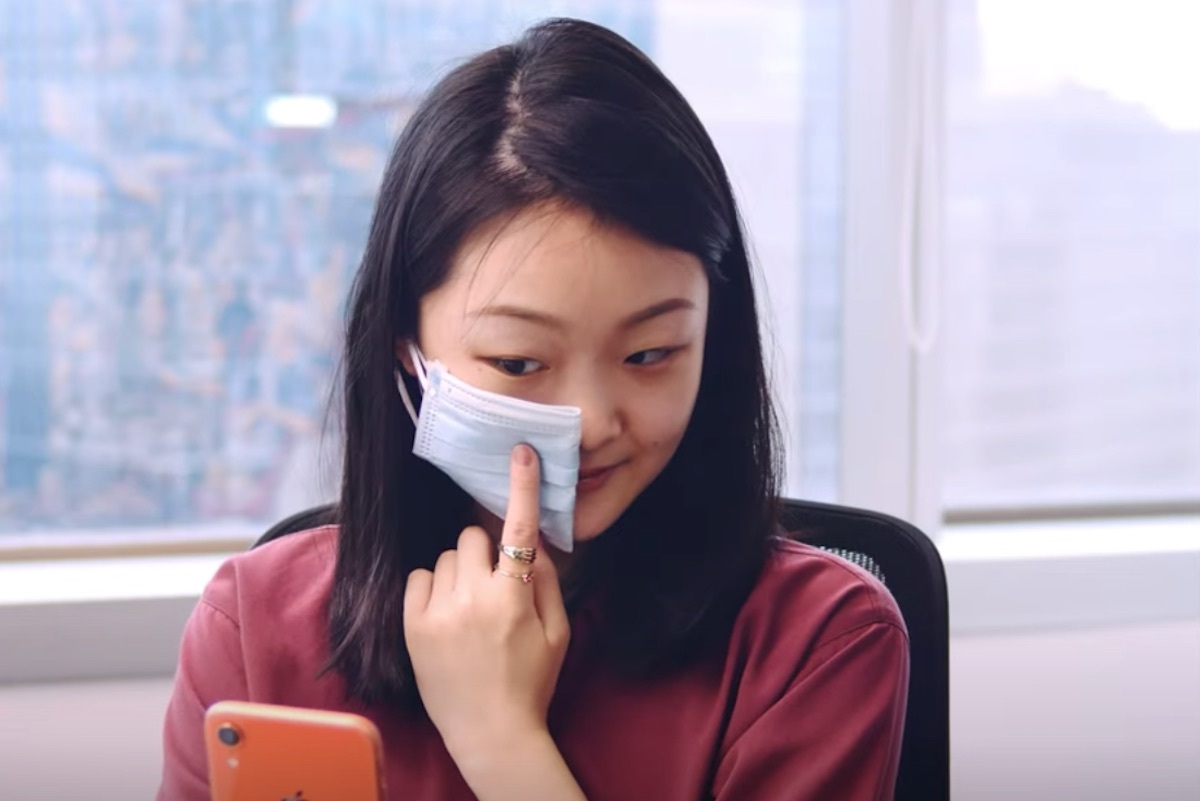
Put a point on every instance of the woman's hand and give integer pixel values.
(487, 647)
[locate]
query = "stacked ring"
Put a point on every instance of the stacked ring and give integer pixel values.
(525, 577)
(523, 555)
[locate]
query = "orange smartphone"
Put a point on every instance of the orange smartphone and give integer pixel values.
(265, 752)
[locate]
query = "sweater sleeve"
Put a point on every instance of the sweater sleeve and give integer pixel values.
(210, 669)
(834, 733)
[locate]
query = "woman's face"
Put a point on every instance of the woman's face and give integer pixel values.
(556, 308)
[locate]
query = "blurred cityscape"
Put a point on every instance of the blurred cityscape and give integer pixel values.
(1072, 307)
(172, 264)
(174, 258)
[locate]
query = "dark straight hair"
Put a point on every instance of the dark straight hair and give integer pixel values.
(571, 114)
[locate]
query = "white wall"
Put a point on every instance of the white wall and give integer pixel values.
(81, 742)
(1098, 715)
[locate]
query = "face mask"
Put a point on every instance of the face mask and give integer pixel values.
(469, 435)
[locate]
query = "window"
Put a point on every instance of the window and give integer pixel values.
(187, 189)
(1072, 343)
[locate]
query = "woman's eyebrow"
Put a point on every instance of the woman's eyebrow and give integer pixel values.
(657, 310)
(551, 321)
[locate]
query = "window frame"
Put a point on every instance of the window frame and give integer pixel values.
(891, 391)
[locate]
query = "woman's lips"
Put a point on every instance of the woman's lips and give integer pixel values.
(594, 479)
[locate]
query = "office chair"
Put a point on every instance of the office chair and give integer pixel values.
(908, 564)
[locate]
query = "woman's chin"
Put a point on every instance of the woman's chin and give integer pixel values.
(585, 534)
(592, 519)
(588, 527)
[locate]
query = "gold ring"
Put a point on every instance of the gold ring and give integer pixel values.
(524, 577)
(523, 555)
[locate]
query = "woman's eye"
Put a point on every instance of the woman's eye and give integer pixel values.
(517, 367)
(645, 358)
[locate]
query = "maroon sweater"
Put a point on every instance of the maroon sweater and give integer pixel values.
(807, 704)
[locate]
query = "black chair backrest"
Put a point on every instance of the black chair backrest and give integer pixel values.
(911, 569)
(908, 564)
(301, 521)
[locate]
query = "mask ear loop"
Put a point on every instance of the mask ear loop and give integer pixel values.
(422, 378)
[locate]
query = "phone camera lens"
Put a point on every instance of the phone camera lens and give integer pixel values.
(229, 735)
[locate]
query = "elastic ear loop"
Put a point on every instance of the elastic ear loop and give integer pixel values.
(422, 378)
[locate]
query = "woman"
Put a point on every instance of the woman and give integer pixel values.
(556, 259)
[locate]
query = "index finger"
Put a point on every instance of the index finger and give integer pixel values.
(522, 519)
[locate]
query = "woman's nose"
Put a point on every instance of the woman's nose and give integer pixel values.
(601, 416)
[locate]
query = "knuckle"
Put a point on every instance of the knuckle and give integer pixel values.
(504, 616)
(559, 638)
(524, 530)
(436, 624)
(463, 605)
(508, 621)
(471, 533)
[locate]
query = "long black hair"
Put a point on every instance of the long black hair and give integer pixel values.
(574, 114)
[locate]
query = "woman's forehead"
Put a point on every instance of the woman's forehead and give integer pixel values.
(563, 258)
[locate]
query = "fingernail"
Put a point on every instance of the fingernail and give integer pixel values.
(522, 455)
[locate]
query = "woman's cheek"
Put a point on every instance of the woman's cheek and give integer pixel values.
(664, 420)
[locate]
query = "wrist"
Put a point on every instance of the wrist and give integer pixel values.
(483, 755)
(484, 739)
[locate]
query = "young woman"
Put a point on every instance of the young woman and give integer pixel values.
(556, 259)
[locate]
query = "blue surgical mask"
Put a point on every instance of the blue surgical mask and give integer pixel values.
(469, 434)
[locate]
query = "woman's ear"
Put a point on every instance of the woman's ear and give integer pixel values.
(404, 355)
